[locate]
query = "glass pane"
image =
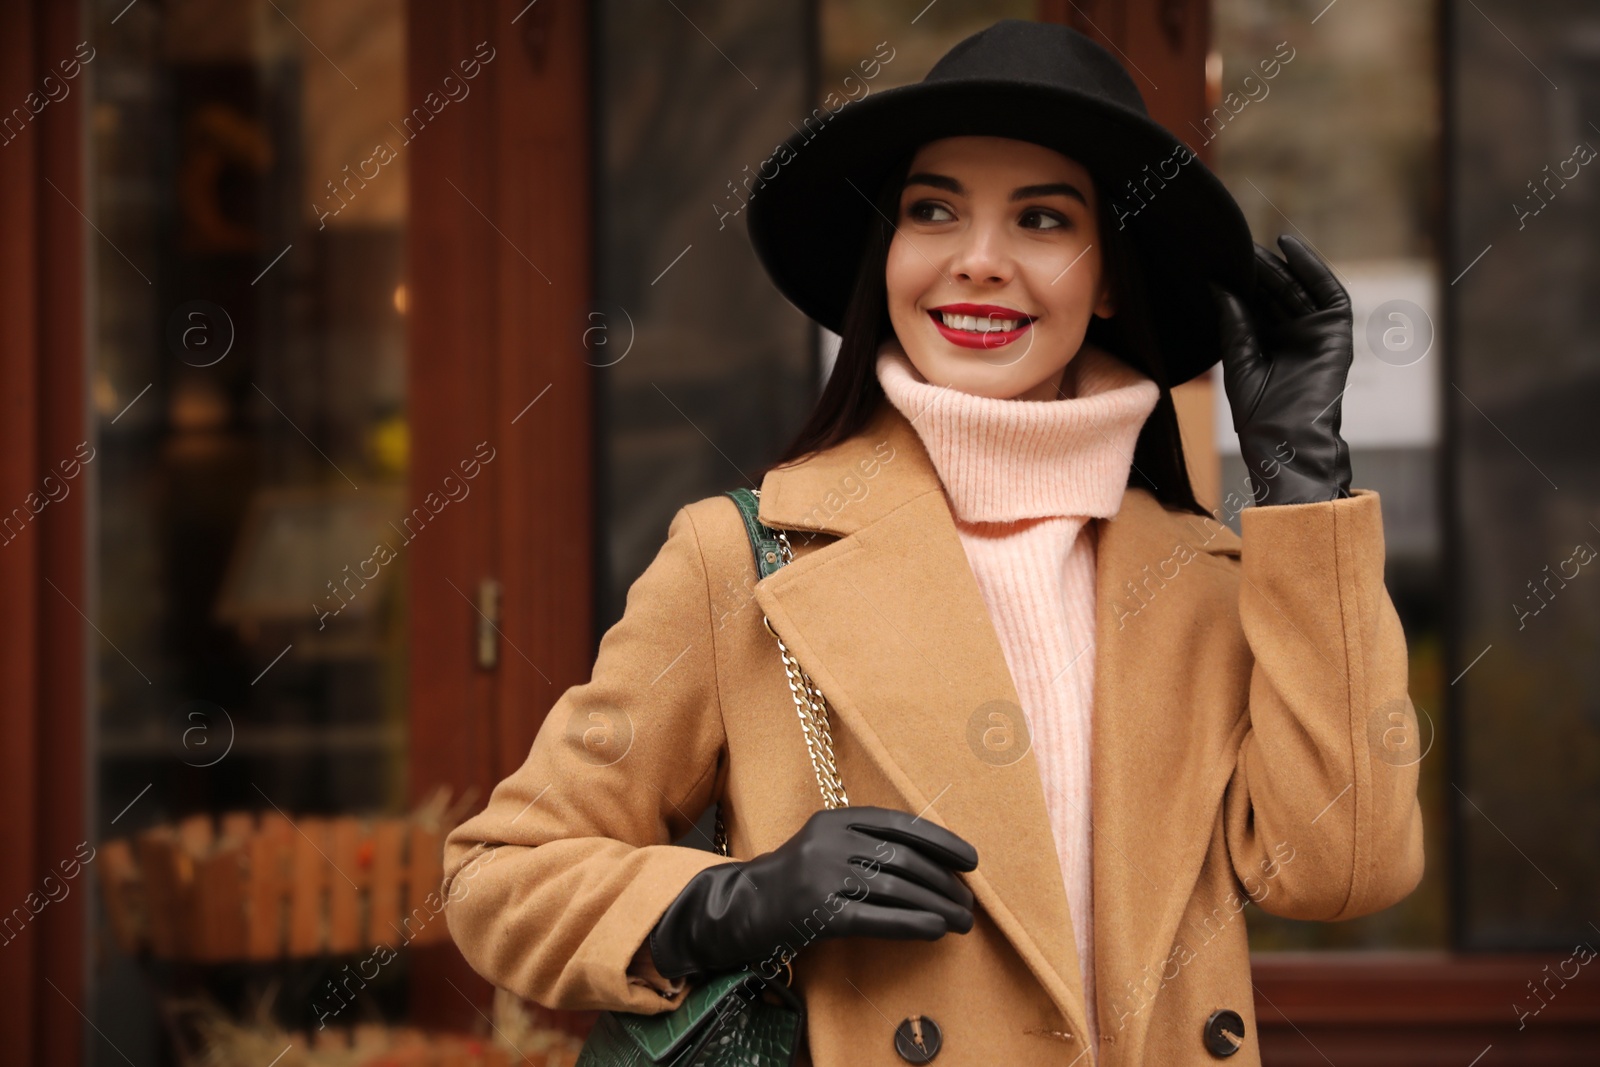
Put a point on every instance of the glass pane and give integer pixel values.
(1527, 490)
(1324, 126)
(721, 370)
(248, 367)
(705, 371)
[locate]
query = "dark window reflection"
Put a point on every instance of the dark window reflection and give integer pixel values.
(1525, 385)
(719, 368)
(248, 374)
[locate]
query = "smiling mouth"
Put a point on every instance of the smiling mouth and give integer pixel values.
(979, 324)
(981, 331)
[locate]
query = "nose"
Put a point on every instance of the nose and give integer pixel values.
(982, 255)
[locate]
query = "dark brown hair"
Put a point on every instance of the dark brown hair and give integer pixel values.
(853, 392)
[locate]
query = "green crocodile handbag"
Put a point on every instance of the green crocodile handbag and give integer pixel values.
(726, 1022)
(722, 1023)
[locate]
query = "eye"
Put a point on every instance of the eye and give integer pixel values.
(1046, 220)
(928, 211)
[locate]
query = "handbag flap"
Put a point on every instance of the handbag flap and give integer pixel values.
(665, 1036)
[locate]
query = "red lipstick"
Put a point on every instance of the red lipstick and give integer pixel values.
(980, 339)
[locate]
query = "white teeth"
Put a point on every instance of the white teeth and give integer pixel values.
(978, 325)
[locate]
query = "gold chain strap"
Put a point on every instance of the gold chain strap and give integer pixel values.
(812, 708)
(719, 839)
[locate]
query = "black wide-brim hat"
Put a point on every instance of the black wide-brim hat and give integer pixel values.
(1032, 81)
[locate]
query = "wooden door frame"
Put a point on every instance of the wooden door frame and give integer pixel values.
(43, 580)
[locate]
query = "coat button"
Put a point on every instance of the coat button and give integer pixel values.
(917, 1039)
(1224, 1033)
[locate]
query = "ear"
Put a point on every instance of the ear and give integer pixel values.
(1107, 304)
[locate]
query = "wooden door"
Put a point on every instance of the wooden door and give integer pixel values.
(500, 272)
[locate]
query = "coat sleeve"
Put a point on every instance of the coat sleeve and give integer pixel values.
(551, 890)
(1322, 813)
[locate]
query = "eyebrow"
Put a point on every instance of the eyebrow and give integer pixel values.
(1025, 192)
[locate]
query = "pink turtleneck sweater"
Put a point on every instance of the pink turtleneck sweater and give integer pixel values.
(1023, 477)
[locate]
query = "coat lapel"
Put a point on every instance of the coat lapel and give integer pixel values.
(889, 622)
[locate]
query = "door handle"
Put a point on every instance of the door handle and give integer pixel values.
(488, 624)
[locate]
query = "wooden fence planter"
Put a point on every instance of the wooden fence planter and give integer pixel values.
(246, 888)
(238, 888)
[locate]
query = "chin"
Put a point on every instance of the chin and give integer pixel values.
(996, 374)
(967, 374)
(1000, 387)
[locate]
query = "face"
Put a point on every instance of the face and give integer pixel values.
(995, 268)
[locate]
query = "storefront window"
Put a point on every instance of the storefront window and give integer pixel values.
(1361, 185)
(248, 357)
(1524, 487)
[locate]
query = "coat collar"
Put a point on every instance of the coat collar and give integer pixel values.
(889, 622)
(817, 493)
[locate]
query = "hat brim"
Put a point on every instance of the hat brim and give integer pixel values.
(807, 221)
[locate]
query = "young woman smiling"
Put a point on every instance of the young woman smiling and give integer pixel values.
(1010, 225)
(1085, 797)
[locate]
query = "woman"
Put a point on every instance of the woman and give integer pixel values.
(1081, 723)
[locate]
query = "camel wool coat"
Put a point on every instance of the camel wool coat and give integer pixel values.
(1252, 741)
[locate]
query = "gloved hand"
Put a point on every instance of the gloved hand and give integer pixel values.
(1285, 360)
(848, 872)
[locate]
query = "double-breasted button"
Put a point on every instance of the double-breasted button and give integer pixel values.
(917, 1039)
(1224, 1033)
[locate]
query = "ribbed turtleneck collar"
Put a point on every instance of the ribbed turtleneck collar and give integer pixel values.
(1005, 460)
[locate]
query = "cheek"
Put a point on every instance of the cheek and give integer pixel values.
(907, 275)
(1066, 282)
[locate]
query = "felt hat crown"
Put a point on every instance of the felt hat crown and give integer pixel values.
(1033, 81)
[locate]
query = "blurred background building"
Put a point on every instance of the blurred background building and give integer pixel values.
(356, 355)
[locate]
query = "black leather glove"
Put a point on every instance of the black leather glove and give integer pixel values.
(848, 872)
(1285, 360)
